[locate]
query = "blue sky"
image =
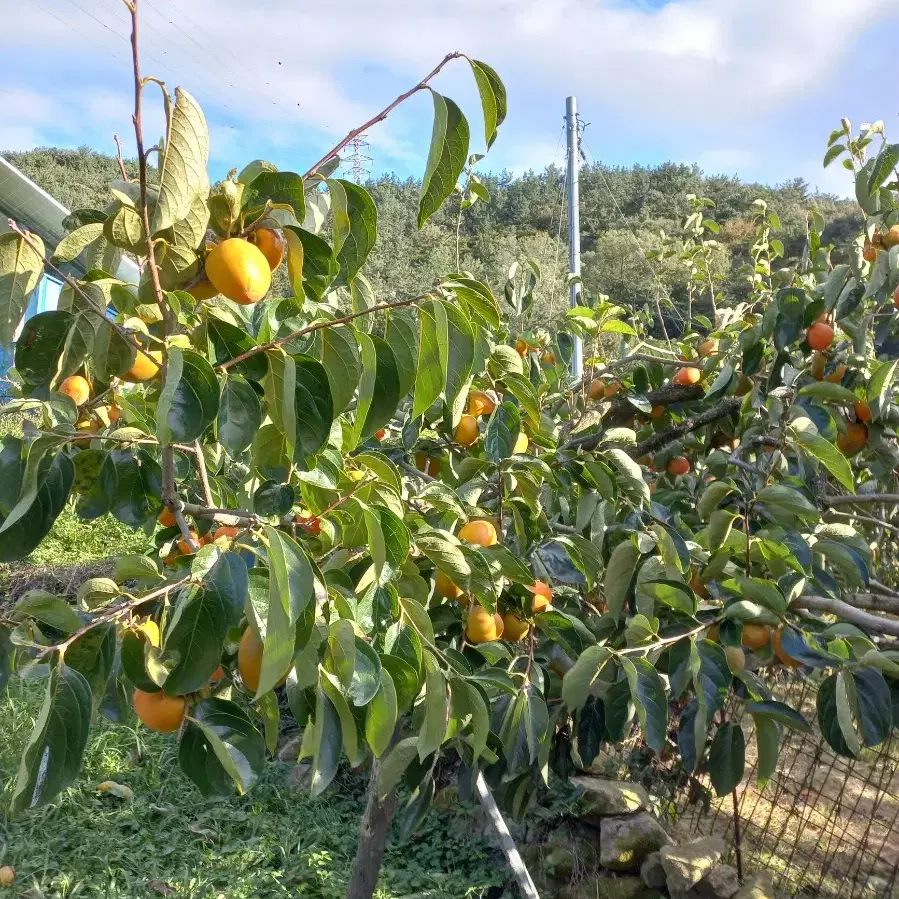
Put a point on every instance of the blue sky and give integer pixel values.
(748, 87)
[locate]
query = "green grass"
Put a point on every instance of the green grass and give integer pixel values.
(274, 842)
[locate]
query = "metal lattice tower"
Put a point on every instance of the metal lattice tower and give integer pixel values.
(358, 160)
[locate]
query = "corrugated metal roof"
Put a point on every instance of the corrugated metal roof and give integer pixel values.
(33, 208)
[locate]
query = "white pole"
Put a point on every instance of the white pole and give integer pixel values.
(574, 224)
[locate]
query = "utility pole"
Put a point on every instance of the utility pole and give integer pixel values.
(574, 224)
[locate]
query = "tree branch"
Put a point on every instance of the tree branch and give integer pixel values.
(860, 498)
(383, 113)
(862, 517)
(204, 476)
(220, 516)
(76, 287)
(318, 326)
(866, 620)
(118, 152)
(726, 407)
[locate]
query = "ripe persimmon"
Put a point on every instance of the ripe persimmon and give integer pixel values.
(167, 518)
(203, 290)
(819, 336)
(521, 443)
(158, 711)
(479, 532)
(272, 244)
(756, 636)
(514, 628)
(481, 626)
(597, 389)
(678, 465)
(853, 439)
(444, 586)
(708, 347)
(862, 410)
(146, 366)
(543, 595)
(467, 433)
(687, 375)
(781, 653)
(239, 270)
(480, 403)
(76, 388)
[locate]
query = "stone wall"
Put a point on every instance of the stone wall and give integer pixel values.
(612, 847)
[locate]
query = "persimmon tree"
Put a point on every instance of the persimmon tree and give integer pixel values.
(412, 522)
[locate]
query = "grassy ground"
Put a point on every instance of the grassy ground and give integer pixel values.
(169, 841)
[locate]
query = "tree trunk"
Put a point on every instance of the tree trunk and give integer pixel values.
(372, 839)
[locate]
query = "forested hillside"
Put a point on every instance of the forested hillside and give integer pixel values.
(623, 212)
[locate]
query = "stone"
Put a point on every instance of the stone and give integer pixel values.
(720, 883)
(300, 777)
(290, 751)
(759, 887)
(651, 871)
(625, 841)
(687, 864)
(602, 797)
(608, 886)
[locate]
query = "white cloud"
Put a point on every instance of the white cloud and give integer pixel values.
(295, 76)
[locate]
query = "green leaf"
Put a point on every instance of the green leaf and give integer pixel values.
(579, 681)
(878, 392)
(52, 757)
(379, 388)
(124, 229)
(291, 589)
(137, 485)
(182, 176)
(832, 153)
(767, 738)
(340, 357)
(780, 713)
(619, 710)
(433, 349)
(272, 498)
(446, 158)
(348, 728)
(727, 759)
(314, 410)
(619, 574)
(712, 497)
(789, 500)
(885, 163)
(389, 542)
(194, 637)
(355, 223)
(328, 743)
(825, 390)
(460, 352)
(395, 764)
(380, 719)
(630, 475)
(493, 98)
(240, 415)
(526, 394)
(92, 655)
(33, 515)
(281, 188)
(479, 301)
(221, 749)
(227, 341)
(447, 555)
(311, 265)
(40, 345)
(826, 453)
(401, 335)
(504, 361)
(433, 729)
(189, 401)
(74, 243)
(48, 610)
(502, 432)
(648, 695)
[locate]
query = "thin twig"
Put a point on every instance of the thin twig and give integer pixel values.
(93, 306)
(168, 318)
(318, 326)
(415, 472)
(862, 517)
(204, 476)
(118, 153)
(422, 85)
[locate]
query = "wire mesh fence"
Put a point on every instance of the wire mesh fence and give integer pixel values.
(825, 825)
